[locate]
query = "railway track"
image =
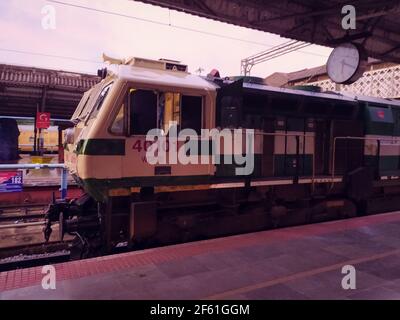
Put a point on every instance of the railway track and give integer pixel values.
(24, 256)
(21, 238)
(21, 225)
(22, 241)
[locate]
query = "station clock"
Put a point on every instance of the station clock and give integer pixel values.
(346, 63)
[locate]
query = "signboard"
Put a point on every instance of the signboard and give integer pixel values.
(378, 114)
(10, 181)
(42, 120)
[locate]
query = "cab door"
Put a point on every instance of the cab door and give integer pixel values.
(142, 117)
(321, 147)
(157, 109)
(349, 152)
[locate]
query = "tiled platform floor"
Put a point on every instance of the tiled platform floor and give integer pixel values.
(294, 263)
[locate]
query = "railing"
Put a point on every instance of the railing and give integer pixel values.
(298, 153)
(34, 166)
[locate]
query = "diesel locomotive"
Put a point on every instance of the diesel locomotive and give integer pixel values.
(316, 156)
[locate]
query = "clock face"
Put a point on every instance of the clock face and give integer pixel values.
(344, 63)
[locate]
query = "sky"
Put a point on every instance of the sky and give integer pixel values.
(85, 29)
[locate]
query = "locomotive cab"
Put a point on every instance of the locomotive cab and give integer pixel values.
(107, 150)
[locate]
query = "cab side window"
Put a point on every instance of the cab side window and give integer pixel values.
(169, 106)
(154, 109)
(118, 125)
(100, 100)
(143, 111)
(185, 111)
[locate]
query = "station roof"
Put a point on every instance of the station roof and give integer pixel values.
(24, 89)
(317, 22)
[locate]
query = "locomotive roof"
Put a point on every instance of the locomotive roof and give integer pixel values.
(164, 77)
(335, 95)
(186, 80)
(325, 95)
(363, 98)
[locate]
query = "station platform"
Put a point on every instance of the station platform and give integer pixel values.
(303, 262)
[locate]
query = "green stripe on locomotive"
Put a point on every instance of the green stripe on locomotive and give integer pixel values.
(103, 147)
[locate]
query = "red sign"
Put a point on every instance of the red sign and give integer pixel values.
(10, 181)
(381, 114)
(42, 120)
(6, 175)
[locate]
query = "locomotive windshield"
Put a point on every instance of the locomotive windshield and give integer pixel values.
(100, 99)
(81, 106)
(91, 102)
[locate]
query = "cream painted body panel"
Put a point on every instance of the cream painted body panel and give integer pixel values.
(132, 164)
(99, 167)
(135, 164)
